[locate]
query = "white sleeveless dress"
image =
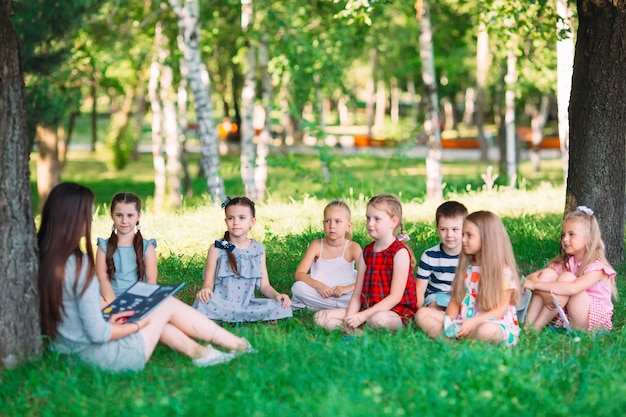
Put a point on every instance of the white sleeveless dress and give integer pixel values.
(332, 272)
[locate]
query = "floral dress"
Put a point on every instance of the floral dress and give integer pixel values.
(234, 295)
(509, 322)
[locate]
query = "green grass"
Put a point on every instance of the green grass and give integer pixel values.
(300, 370)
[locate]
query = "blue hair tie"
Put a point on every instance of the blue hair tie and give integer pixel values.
(225, 244)
(226, 202)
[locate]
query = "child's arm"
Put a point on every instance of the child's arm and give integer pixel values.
(468, 325)
(420, 285)
(150, 261)
(355, 301)
(206, 292)
(106, 290)
(401, 264)
(453, 309)
(267, 289)
(577, 286)
(302, 272)
(354, 254)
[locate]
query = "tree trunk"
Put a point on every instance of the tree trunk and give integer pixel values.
(564, 67)
(248, 95)
(183, 125)
(48, 166)
(509, 118)
(394, 107)
(94, 112)
(158, 160)
(597, 165)
(539, 117)
(371, 92)
(19, 298)
(434, 180)
(260, 173)
(189, 28)
(172, 144)
(482, 69)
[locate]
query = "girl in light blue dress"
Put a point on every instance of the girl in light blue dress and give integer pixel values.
(125, 257)
(235, 269)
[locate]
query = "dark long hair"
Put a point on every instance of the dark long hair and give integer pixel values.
(65, 222)
(126, 198)
(237, 201)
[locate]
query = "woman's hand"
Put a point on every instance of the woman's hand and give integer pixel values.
(285, 300)
(121, 317)
(205, 294)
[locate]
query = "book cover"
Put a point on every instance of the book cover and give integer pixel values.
(142, 298)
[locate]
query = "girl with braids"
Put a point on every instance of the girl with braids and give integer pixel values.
(235, 269)
(385, 294)
(125, 257)
(71, 318)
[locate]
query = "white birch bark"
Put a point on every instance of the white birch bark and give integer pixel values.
(172, 145)
(482, 68)
(394, 107)
(509, 118)
(434, 180)
(564, 67)
(248, 93)
(539, 117)
(157, 120)
(260, 173)
(381, 101)
(188, 25)
(183, 125)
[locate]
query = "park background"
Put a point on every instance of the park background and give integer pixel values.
(348, 116)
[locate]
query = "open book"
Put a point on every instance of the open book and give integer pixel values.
(142, 298)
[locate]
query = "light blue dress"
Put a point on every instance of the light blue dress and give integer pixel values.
(125, 261)
(83, 330)
(234, 299)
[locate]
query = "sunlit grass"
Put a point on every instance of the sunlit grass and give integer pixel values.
(304, 371)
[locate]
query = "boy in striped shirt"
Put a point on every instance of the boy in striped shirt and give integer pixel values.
(437, 265)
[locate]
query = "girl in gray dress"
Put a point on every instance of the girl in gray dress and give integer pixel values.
(235, 269)
(71, 318)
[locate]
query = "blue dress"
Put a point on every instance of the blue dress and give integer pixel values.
(234, 296)
(125, 262)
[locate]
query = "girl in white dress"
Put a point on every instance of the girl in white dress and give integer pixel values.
(330, 261)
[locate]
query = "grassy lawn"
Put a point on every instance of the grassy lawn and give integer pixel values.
(300, 370)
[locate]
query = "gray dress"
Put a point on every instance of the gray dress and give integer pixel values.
(234, 299)
(84, 332)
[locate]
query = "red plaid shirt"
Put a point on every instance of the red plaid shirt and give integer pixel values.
(377, 280)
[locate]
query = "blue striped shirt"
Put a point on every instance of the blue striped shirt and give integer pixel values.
(438, 268)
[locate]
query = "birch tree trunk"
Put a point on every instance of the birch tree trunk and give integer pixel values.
(371, 92)
(381, 101)
(172, 145)
(188, 26)
(564, 69)
(19, 298)
(539, 117)
(482, 69)
(260, 173)
(248, 94)
(157, 122)
(183, 125)
(394, 108)
(509, 118)
(434, 180)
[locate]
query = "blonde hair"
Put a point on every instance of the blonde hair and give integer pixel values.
(496, 254)
(392, 206)
(342, 205)
(594, 246)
